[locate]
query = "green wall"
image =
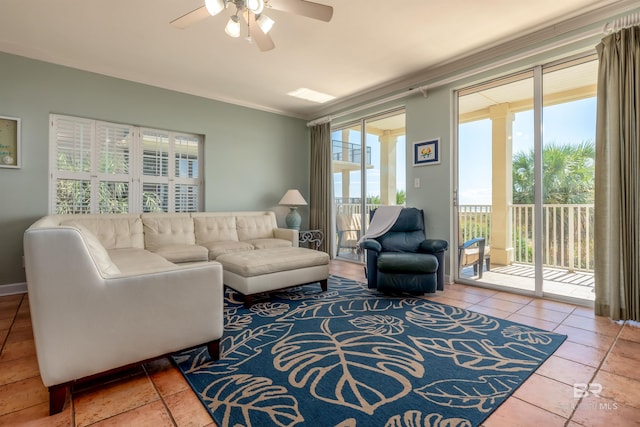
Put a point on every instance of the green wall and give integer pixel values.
(251, 157)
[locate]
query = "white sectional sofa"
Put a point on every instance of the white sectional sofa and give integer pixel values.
(108, 291)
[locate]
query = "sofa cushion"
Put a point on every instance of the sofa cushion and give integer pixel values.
(270, 243)
(97, 251)
(266, 261)
(255, 226)
(183, 253)
(215, 228)
(167, 229)
(218, 248)
(113, 231)
(135, 261)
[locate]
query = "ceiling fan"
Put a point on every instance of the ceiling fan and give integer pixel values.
(252, 12)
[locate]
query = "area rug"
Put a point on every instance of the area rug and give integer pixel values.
(354, 357)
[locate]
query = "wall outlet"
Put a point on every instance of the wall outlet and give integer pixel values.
(416, 183)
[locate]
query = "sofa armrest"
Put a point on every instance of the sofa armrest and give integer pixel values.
(287, 234)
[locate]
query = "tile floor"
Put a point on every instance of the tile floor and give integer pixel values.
(597, 351)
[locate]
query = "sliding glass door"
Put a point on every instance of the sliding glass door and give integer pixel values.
(525, 180)
(368, 171)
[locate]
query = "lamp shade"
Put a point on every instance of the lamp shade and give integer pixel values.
(293, 198)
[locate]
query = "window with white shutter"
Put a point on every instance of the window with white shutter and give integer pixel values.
(101, 167)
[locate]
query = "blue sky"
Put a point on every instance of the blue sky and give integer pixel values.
(567, 123)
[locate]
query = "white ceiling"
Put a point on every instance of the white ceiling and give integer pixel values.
(368, 44)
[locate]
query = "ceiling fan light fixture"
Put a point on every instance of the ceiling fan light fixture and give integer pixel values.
(265, 23)
(233, 27)
(214, 6)
(255, 6)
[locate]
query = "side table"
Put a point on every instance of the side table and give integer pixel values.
(312, 238)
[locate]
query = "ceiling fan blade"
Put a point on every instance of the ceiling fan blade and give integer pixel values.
(304, 8)
(191, 18)
(262, 40)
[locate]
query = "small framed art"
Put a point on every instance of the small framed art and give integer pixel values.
(426, 152)
(9, 142)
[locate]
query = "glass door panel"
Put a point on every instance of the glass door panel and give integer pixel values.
(496, 229)
(568, 155)
(368, 171)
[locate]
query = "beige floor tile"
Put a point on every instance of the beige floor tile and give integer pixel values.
(37, 416)
(22, 394)
(625, 348)
(566, 371)
(581, 353)
(621, 390)
(187, 410)
(618, 364)
(630, 332)
(501, 304)
(489, 311)
(586, 337)
(552, 305)
(584, 312)
(520, 299)
(102, 402)
(517, 413)
(19, 369)
(532, 321)
(542, 313)
(153, 414)
(548, 394)
(598, 324)
(16, 349)
(166, 377)
(598, 412)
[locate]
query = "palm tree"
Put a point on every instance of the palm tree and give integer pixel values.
(568, 174)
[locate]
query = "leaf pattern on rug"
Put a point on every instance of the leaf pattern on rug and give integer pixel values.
(332, 309)
(346, 368)
(239, 349)
(417, 419)
(269, 309)
(236, 322)
(483, 354)
(481, 394)
(379, 324)
(451, 320)
(526, 334)
(252, 398)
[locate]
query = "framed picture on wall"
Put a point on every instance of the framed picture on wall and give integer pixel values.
(426, 152)
(9, 142)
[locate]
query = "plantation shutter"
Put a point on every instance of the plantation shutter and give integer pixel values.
(102, 167)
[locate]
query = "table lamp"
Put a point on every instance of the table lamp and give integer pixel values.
(293, 199)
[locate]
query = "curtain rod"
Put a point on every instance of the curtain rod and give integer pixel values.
(620, 23)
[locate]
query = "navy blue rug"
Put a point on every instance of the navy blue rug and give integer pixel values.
(355, 357)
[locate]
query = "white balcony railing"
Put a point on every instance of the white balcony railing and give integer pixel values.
(567, 233)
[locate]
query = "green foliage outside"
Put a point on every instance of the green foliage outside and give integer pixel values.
(568, 174)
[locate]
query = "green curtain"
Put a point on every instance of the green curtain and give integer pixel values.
(321, 192)
(617, 192)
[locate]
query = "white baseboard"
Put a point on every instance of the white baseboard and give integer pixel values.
(13, 288)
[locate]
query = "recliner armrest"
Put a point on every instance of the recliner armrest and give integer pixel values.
(432, 246)
(371, 244)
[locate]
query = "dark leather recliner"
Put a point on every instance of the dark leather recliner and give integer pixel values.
(403, 259)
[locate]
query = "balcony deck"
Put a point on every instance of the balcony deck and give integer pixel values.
(556, 281)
